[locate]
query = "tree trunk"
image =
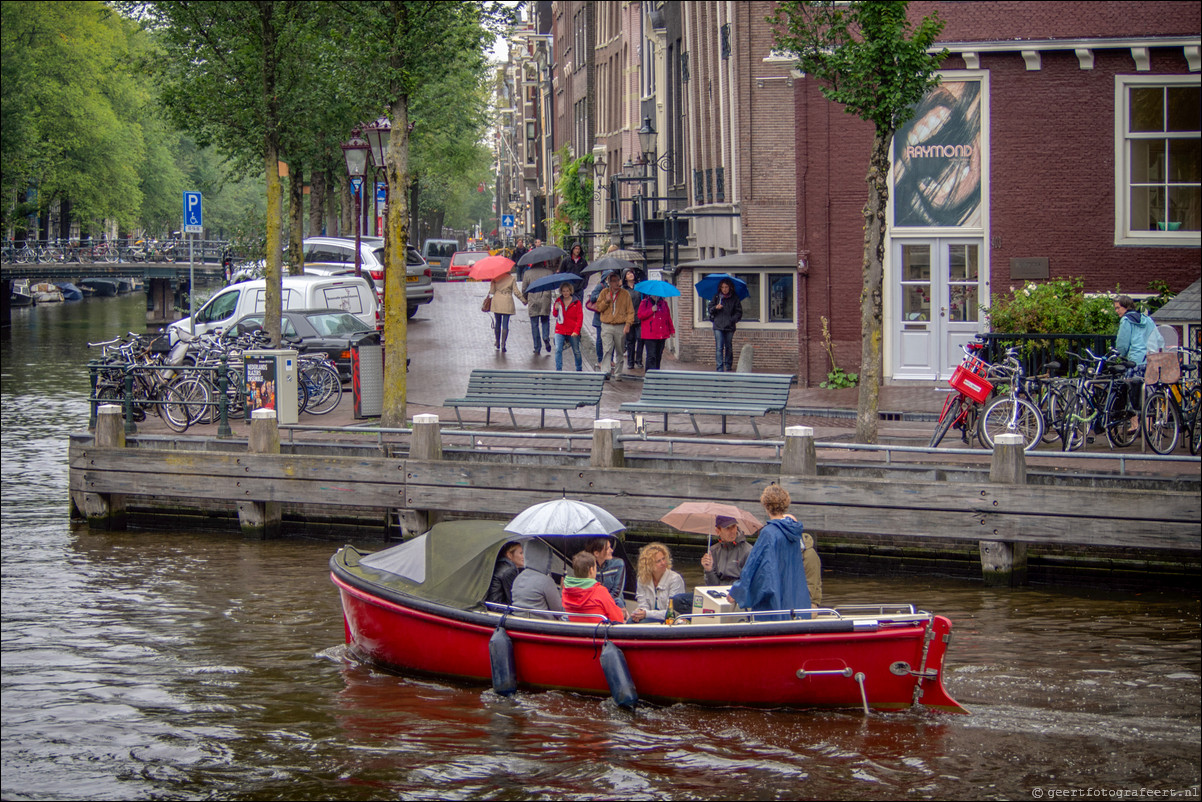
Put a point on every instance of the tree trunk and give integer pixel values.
(396, 236)
(296, 219)
(872, 294)
(271, 164)
(317, 203)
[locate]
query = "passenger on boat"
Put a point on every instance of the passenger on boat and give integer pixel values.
(509, 565)
(724, 562)
(611, 571)
(774, 575)
(534, 590)
(659, 586)
(582, 593)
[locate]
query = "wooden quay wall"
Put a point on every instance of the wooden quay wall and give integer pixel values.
(1002, 512)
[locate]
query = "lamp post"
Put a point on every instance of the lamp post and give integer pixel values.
(355, 152)
(378, 134)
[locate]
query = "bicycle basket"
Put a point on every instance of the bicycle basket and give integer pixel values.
(968, 378)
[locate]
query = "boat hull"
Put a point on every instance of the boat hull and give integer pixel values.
(786, 664)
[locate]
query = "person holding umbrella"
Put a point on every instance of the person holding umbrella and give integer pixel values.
(538, 305)
(655, 318)
(723, 563)
(500, 291)
(725, 311)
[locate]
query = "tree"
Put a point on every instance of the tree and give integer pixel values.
(411, 44)
(870, 59)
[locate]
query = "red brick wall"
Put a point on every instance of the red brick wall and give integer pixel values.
(1051, 179)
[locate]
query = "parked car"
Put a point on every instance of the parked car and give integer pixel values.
(461, 264)
(330, 331)
(437, 253)
(347, 293)
(419, 286)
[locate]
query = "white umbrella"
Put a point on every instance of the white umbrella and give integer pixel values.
(563, 516)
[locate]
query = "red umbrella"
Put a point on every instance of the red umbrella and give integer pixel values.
(490, 267)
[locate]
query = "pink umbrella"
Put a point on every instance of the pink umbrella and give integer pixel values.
(490, 267)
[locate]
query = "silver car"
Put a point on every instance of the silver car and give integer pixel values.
(419, 287)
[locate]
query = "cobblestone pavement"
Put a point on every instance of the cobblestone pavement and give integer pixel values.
(450, 336)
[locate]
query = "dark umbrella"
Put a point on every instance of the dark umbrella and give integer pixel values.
(606, 263)
(543, 253)
(553, 281)
(708, 286)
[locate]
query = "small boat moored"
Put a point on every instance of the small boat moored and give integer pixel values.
(70, 291)
(104, 287)
(416, 607)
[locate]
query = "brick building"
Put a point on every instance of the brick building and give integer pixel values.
(1064, 142)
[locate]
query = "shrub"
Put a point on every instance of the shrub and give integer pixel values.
(1059, 306)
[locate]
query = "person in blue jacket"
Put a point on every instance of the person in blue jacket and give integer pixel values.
(774, 577)
(1137, 334)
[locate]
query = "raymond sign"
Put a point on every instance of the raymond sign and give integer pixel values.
(937, 172)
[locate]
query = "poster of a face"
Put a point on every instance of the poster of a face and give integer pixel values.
(937, 166)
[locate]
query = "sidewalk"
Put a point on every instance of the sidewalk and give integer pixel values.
(450, 337)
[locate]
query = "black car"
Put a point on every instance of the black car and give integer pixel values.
(311, 330)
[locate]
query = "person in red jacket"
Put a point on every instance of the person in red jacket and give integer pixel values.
(568, 315)
(656, 317)
(583, 594)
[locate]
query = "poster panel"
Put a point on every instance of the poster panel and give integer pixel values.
(260, 383)
(937, 165)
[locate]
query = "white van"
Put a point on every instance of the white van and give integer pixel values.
(232, 303)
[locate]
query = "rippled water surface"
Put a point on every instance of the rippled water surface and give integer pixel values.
(183, 665)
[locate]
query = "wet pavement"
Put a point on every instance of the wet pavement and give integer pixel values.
(450, 337)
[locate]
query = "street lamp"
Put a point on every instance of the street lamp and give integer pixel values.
(355, 152)
(646, 138)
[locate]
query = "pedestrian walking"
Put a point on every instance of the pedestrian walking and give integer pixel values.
(500, 293)
(569, 317)
(617, 318)
(634, 341)
(538, 305)
(656, 316)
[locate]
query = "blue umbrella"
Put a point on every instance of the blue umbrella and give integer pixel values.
(660, 289)
(708, 286)
(553, 281)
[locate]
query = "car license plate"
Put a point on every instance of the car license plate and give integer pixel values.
(411, 279)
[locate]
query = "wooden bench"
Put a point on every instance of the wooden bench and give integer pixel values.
(530, 389)
(695, 392)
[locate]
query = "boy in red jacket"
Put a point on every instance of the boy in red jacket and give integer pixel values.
(568, 315)
(583, 594)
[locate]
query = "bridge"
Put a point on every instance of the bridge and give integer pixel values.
(163, 280)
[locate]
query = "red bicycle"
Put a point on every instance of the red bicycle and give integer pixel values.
(962, 408)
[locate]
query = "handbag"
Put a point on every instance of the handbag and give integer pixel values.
(487, 305)
(1162, 368)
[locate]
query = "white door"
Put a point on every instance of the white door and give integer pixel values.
(937, 295)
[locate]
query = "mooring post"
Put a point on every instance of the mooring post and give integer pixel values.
(607, 448)
(261, 519)
(1004, 563)
(426, 443)
(798, 457)
(427, 437)
(107, 510)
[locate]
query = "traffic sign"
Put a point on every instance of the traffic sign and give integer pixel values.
(356, 184)
(193, 213)
(507, 221)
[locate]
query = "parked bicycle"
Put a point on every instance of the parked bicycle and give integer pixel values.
(962, 408)
(1172, 406)
(1014, 410)
(1099, 401)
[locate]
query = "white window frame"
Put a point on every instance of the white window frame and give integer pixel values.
(1123, 234)
(700, 322)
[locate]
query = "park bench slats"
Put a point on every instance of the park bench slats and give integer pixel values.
(529, 389)
(694, 392)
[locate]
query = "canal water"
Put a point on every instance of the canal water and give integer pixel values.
(186, 665)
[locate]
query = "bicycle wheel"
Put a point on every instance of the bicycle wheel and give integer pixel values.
(1010, 415)
(325, 389)
(1195, 431)
(186, 402)
(1161, 422)
(302, 397)
(952, 409)
(1052, 406)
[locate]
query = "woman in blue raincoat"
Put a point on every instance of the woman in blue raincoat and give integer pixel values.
(774, 578)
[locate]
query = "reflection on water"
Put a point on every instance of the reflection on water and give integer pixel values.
(181, 665)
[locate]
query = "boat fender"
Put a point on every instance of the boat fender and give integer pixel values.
(500, 654)
(617, 675)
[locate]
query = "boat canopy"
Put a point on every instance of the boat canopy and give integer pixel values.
(453, 563)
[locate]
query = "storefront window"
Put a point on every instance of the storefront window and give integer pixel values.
(771, 299)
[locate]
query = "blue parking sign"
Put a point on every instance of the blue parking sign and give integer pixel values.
(193, 213)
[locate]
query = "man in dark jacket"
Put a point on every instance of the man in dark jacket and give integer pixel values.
(725, 312)
(724, 562)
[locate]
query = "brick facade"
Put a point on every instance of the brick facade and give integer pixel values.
(1051, 178)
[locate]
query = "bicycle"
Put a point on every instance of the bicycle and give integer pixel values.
(963, 408)
(1098, 402)
(1013, 412)
(1170, 406)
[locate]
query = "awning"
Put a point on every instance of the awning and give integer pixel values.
(742, 261)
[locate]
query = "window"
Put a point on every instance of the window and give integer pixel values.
(772, 300)
(1158, 160)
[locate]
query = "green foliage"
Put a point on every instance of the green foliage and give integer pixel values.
(575, 186)
(868, 56)
(1163, 296)
(838, 378)
(1059, 306)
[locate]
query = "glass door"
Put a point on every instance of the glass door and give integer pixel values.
(937, 293)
